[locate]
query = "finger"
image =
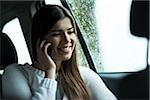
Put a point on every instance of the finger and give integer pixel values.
(39, 47)
(42, 44)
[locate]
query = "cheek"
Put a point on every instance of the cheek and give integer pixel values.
(74, 38)
(55, 43)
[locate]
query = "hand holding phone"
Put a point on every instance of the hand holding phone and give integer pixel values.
(44, 60)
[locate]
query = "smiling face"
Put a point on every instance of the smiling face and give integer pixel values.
(63, 39)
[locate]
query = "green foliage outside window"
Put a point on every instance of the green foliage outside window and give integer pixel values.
(84, 12)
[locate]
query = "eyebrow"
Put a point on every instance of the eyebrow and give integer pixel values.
(70, 28)
(61, 30)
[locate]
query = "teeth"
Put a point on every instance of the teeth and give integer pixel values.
(66, 49)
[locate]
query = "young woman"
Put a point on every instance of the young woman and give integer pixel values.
(55, 74)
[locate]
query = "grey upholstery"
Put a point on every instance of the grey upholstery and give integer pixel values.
(8, 55)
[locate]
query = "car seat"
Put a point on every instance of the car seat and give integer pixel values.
(8, 55)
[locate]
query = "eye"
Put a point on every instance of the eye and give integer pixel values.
(55, 33)
(71, 32)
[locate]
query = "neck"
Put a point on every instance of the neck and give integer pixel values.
(58, 65)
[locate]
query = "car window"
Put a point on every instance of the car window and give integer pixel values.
(58, 2)
(105, 27)
(14, 31)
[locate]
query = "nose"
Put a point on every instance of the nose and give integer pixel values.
(67, 38)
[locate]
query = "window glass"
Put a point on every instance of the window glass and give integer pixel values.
(14, 31)
(105, 27)
(83, 11)
(53, 2)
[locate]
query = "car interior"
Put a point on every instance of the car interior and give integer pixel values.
(125, 85)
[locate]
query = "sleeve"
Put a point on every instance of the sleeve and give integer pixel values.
(15, 86)
(46, 91)
(97, 88)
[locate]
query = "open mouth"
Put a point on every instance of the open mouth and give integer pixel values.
(66, 49)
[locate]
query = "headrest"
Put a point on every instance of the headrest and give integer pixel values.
(8, 54)
(139, 19)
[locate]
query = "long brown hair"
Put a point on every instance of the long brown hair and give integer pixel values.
(72, 84)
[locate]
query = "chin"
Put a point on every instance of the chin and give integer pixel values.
(67, 57)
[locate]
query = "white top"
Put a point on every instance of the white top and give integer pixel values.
(28, 83)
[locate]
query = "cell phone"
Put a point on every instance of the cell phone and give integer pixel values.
(49, 51)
